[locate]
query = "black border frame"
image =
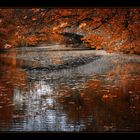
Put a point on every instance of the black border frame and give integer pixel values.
(69, 3)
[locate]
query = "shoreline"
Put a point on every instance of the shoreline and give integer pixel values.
(56, 60)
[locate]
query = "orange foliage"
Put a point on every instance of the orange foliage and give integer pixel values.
(112, 29)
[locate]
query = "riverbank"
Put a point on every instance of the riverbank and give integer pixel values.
(45, 47)
(49, 58)
(56, 57)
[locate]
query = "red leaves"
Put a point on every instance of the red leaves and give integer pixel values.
(94, 40)
(103, 28)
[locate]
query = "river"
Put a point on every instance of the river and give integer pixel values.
(100, 95)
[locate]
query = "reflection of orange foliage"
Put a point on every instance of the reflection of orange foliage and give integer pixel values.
(14, 76)
(113, 100)
(94, 84)
(11, 77)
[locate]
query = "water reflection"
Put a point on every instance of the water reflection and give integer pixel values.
(42, 111)
(99, 96)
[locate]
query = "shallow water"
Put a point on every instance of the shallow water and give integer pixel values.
(103, 95)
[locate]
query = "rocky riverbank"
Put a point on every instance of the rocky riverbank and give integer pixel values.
(57, 58)
(72, 62)
(49, 58)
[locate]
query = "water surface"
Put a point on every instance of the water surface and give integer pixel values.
(100, 96)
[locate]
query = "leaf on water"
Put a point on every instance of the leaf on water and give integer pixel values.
(113, 86)
(11, 104)
(108, 96)
(82, 94)
(16, 116)
(67, 96)
(114, 96)
(130, 92)
(132, 107)
(105, 90)
(107, 128)
(23, 84)
(105, 96)
(71, 103)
